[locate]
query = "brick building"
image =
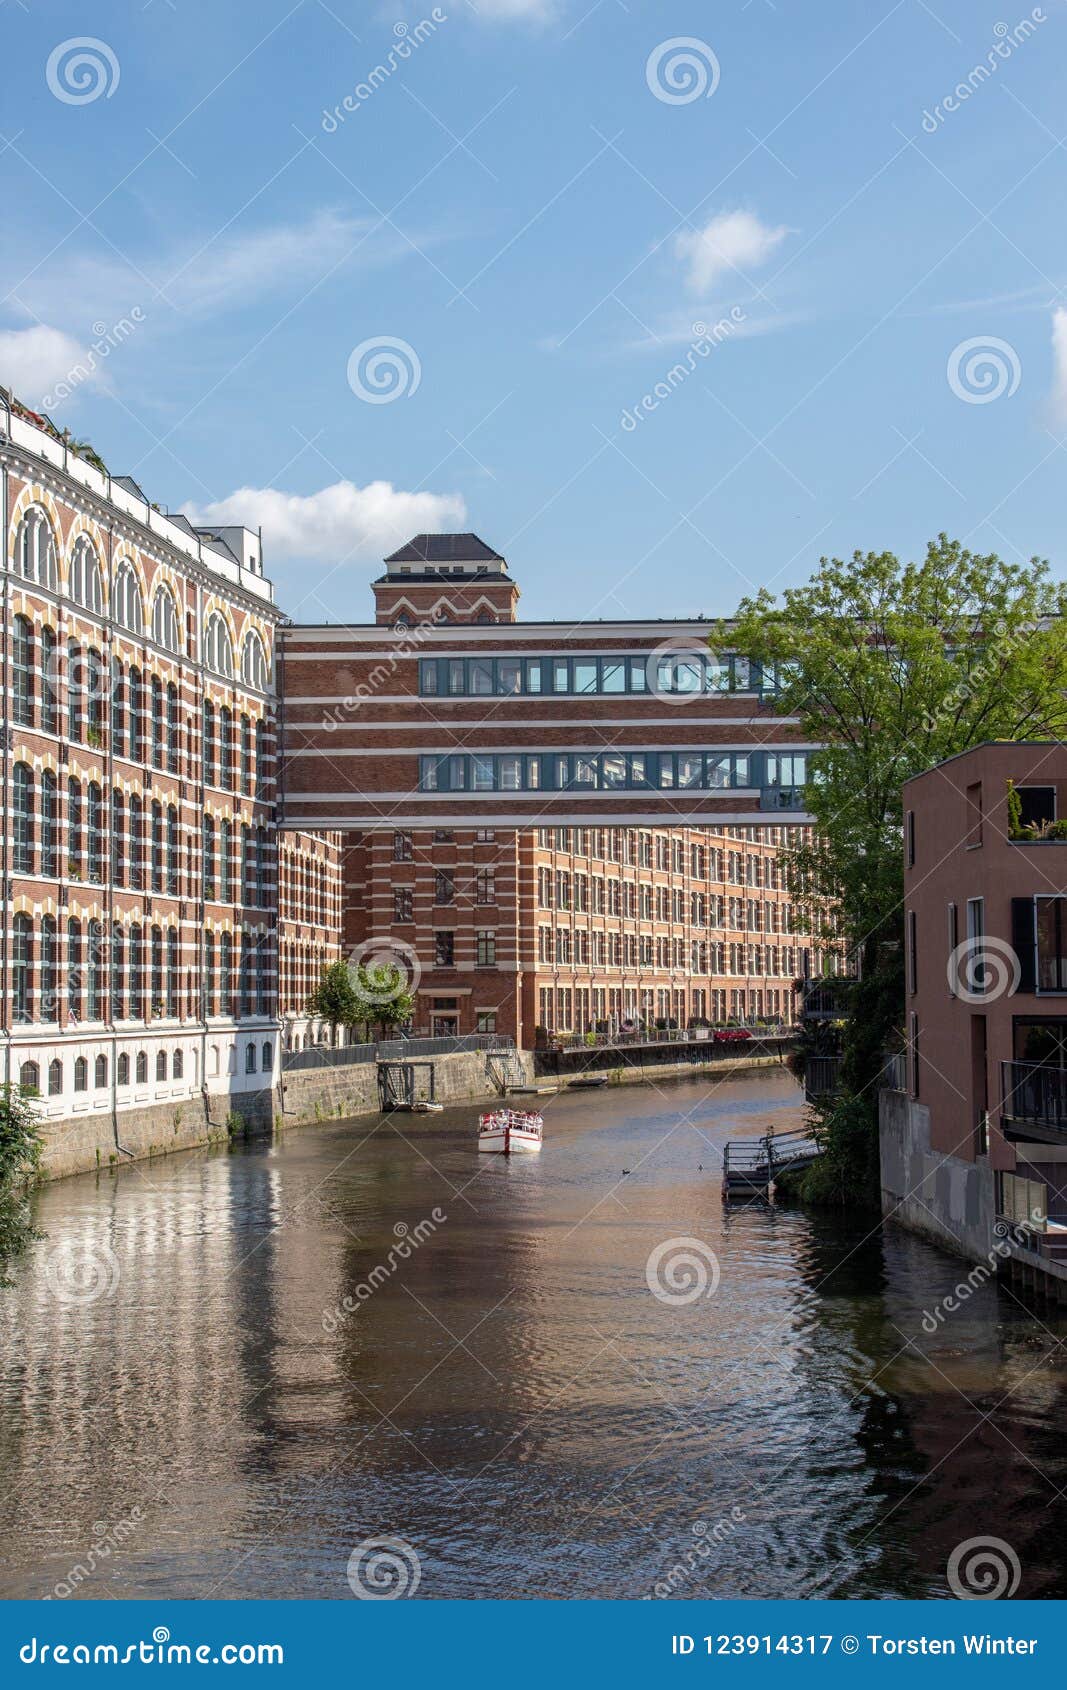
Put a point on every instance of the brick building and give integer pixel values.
(975, 1127)
(561, 927)
(140, 947)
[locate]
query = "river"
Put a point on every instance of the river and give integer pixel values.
(188, 1408)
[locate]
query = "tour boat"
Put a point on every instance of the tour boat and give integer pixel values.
(505, 1130)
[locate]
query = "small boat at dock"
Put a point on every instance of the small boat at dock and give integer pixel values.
(589, 1080)
(507, 1130)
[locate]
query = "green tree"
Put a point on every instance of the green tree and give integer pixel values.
(892, 667)
(334, 998)
(20, 1163)
(383, 998)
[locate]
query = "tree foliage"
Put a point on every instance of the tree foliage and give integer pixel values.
(362, 996)
(892, 667)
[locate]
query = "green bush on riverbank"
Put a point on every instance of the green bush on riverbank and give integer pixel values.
(20, 1162)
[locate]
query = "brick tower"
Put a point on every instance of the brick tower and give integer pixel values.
(447, 577)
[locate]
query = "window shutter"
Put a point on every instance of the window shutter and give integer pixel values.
(1022, 941)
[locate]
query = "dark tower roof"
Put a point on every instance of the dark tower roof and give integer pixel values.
(445, 548)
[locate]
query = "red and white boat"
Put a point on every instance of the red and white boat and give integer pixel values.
(505, 1130)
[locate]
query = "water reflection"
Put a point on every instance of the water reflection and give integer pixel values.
(506, 1392)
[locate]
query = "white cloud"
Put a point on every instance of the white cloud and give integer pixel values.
(734, 241)
(1058, 396)
(339, 522)
(35, 360)
(507, 9)
(202, 275)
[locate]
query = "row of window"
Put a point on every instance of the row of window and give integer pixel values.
(143, 848)
(131, 975)
(146, 721)
(562, 948)
(591, 771)
(35, 560)
(587, 1009)
(30, 1072)
(682, 672)
(593, 895)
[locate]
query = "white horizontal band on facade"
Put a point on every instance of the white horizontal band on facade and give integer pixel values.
(783, 748)
(714, 820)
(558, 722)
(413, 637)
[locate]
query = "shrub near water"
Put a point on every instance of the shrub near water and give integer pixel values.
(20, 1164)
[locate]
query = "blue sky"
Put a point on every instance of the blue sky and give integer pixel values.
(517, 204)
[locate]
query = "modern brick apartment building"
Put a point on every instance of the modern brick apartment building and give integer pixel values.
(978, 1129)
(565, 928)
(140, 940)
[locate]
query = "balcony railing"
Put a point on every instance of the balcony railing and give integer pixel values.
(781, 798)
(821, 1076)
(1034, 1095)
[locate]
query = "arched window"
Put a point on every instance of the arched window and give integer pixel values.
(118, 706)
(157, 846)
(35, 550)
(95, 995)
(246, 864)
(22, 829)
(94, 832)
(214, 1058)
(75, 686)
(74, 970)
(254, 662)
(207, 743)
(173, 731)
(157, 722)
(94, 698)
(118, 974)
(172, 850)
(172, 971)
(261, 759)
(225, 861)
(49, 680)
(118, 839)
(136, 981)
(226, 748)
(207, 853)
(129, 607)
(100, 1075)
(30, 1077)
(21, 966)
(55, 1077)
(262, 870)
(177, 1065)
(268, 1057)
(165, 627)
(22, 679)
(250, 1058)
(136, 734)
(208, 978)
(226, 974)
(49, 1005)
(122, 1070)
(136, 843)
(218, 647)
(86, 586)
(161, 1065)
(81, 1074)
(157, 971)
(246, 755)
(141, 1067)
(262, 974)
(74, 828)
